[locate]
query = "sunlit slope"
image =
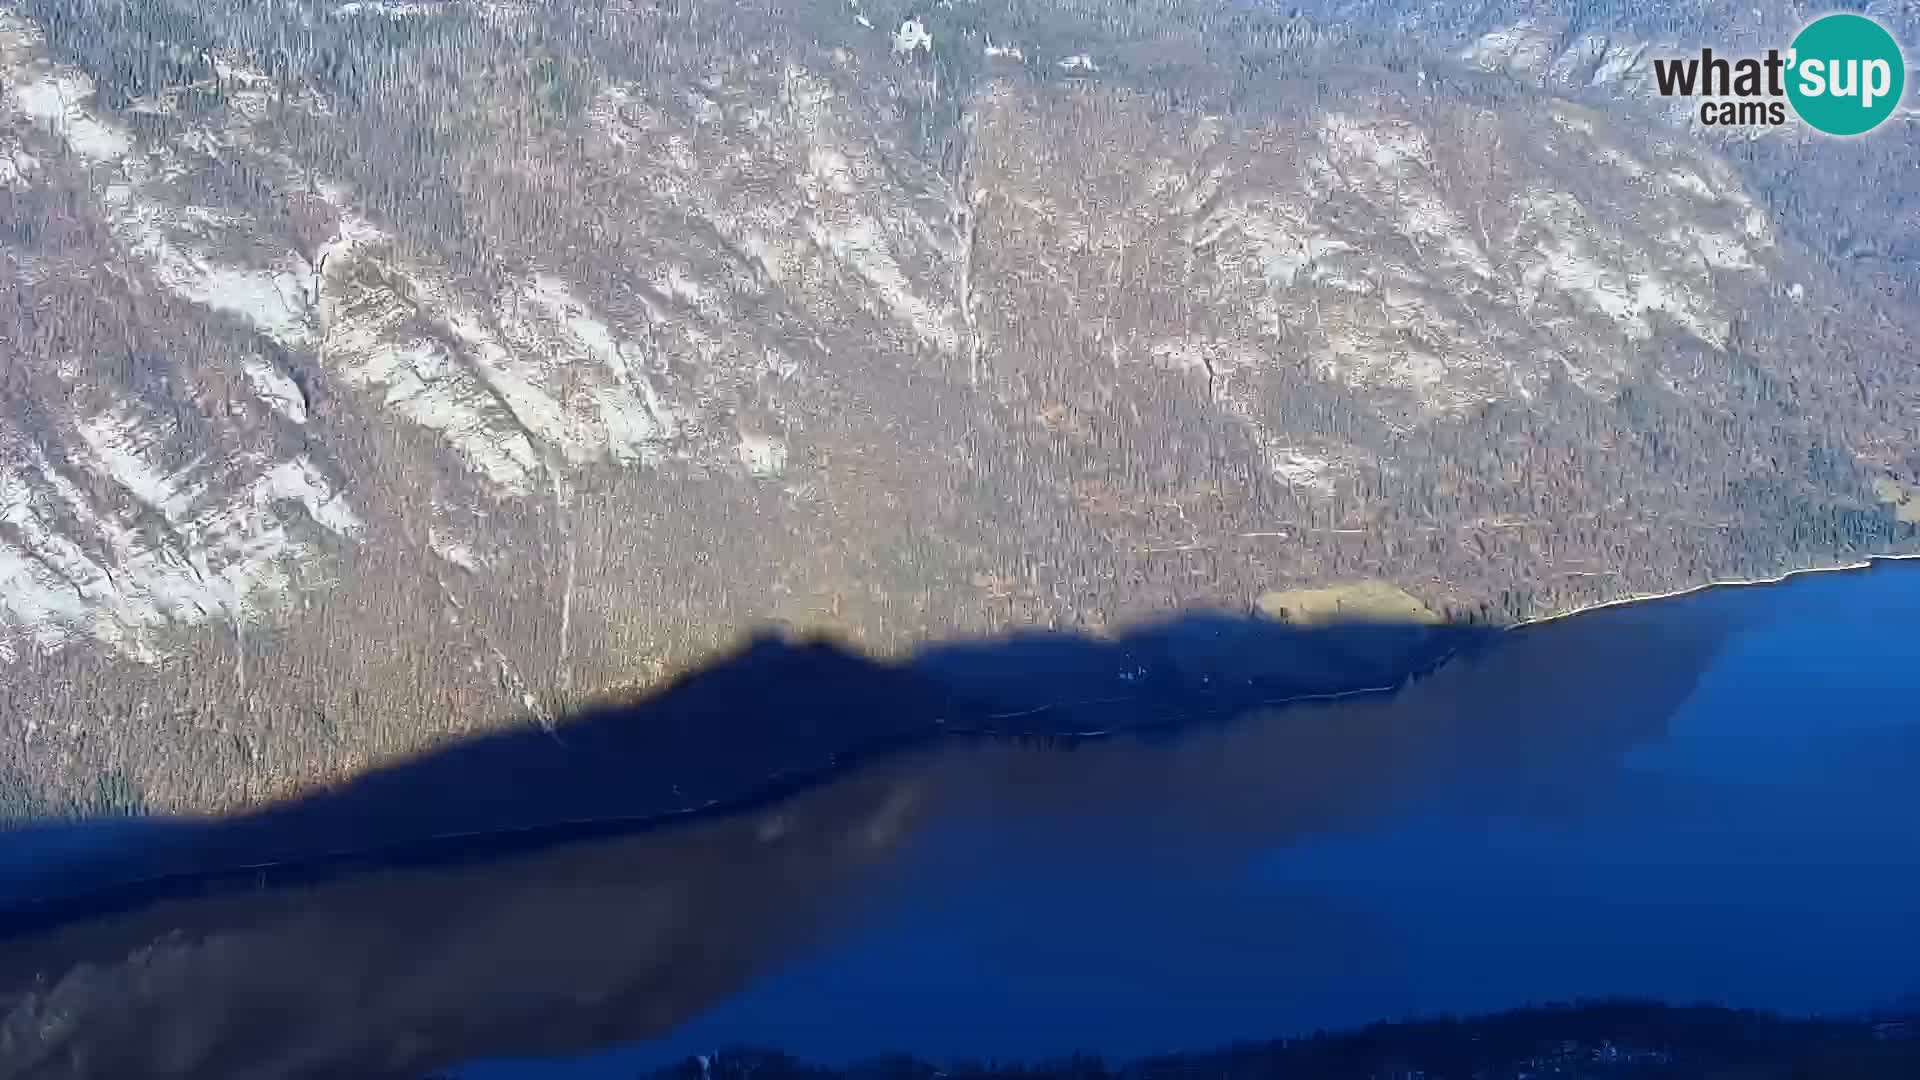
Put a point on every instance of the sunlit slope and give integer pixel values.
(373, 373)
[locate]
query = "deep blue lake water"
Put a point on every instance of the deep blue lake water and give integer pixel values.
(1710, 798)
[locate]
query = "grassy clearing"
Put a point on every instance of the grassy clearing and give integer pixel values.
(1364, 601)
(1904, 499)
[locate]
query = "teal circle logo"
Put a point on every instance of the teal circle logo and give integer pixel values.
(1845, 74)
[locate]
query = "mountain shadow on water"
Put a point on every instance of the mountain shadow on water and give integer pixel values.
(397, 964)
(775, 713)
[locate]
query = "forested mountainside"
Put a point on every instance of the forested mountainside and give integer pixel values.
(375, 372)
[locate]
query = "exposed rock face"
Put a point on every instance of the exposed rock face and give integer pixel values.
(373, 372)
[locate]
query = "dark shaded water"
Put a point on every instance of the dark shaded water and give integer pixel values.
(1705, 797)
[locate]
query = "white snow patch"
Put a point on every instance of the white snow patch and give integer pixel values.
(126, 586)
(1300, 469)
(58, 102)
(1618, 62)
(763, 455)
(912, 37)
(859, 244)
(681, 285)
(1079, 62)
(16, 165)
(115, 440)
(274, 301)
(459, 554)
(1623, 283)
(36, 594)
(1691, 183)
(828, 169)
(299, 481)
(504, 380)
(1721, 250)
(1388, 146)
(277, 389)
(1569, 268)
(1521, 47)
(555, 340)
(1285, 245)
(373, 340)
(1425, 215)
(422, 381)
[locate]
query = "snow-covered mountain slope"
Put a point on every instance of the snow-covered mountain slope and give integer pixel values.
(1359, 243)
(371, 372)
(1571, 48)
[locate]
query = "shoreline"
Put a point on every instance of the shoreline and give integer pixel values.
(1867, 563)
(459, 846)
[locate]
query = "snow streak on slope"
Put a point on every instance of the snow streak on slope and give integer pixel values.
(112, 527)
(534, 370)
(1454, 299)
(170, 543)
(1430, 259)
(55, 100)
(514, 380)
(802, 193)
(178, 244)
(486, 373)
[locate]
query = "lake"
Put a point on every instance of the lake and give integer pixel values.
(1709, 797)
